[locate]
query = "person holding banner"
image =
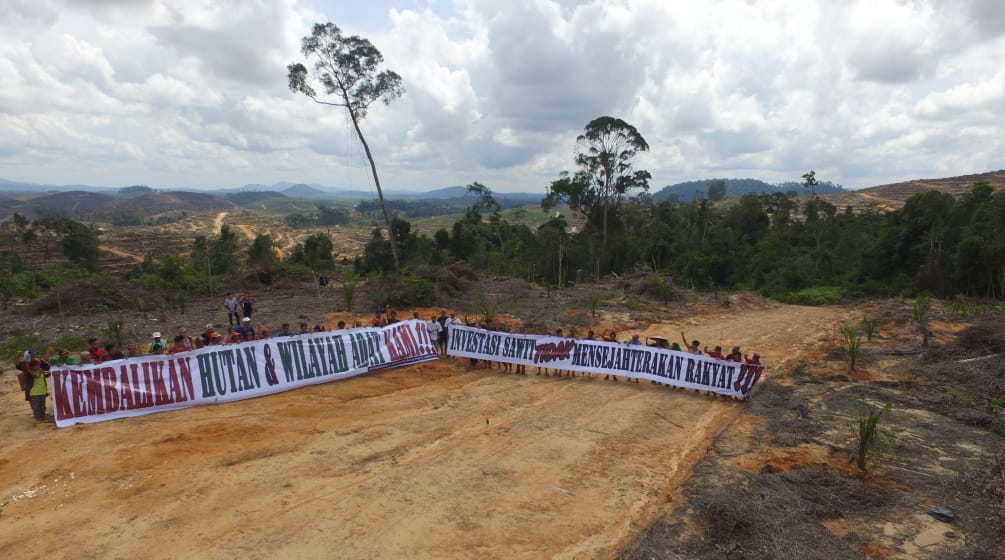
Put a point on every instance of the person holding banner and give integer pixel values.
(451, 321)
(35, 371)
(693, 347)
(435, 330)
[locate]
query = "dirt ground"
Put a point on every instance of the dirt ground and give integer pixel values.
(778, 482)
(430, 461)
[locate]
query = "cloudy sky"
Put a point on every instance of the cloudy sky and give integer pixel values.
(194, 93)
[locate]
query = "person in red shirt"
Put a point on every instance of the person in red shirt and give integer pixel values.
(96, 352)
(716, 353)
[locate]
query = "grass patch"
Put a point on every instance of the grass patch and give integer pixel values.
(819, 295)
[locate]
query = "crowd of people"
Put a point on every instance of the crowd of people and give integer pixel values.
(34, 368)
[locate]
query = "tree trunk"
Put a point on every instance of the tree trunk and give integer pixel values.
(380, 193)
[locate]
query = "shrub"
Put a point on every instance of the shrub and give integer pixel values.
(869, 437)
(869, 327)
(852, 343)
(818, 295)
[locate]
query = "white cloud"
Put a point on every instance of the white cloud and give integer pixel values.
(175, 92)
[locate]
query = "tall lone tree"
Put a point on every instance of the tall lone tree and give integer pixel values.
(604, 156)
(345, 69)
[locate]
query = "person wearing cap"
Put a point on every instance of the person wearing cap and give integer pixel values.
(186, 339)
(157, 345)
(263, 332)
(635, 341)
(245, 330)
(64, 358)
(35, 371)
(207, 334)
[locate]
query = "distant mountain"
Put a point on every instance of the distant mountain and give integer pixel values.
(271, 203)
(687, 191)
(306, 192)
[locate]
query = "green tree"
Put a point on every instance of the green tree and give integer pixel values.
(485, 201)
(262, 251)
(350, 285)
(345, 69)
(223, 251)
(717, 190)
(810, 181)
(79, 242)
(315, 253)
(868, 435)
(604, 156)
(919, 313)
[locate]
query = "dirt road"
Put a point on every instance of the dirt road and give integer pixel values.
(430, 461)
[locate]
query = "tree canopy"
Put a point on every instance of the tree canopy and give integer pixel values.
(345, 69)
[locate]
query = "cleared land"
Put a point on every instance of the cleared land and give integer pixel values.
(430, 461)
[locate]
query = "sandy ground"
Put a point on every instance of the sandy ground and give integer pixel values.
(431, 461)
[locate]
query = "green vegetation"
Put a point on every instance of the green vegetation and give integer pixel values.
(350, 283)
(818, 295)
(852, 343)
(868, 436)
(919, 314)
(869, 327)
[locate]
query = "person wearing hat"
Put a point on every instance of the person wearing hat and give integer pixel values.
(157, 345)
(186, 339)
(62, 359)
(35, 370)
(208, 334)
(635, 341)
(245, 330)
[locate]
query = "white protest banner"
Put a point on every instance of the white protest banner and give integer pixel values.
(216, 374)
(679, 369)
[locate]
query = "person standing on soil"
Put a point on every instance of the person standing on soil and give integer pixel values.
(35, 371)
(442, 339)
(434, 328)
(451, 321)
(230, 304)
(247, 300)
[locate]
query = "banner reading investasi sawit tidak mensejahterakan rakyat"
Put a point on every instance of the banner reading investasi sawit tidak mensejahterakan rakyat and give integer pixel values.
(217, 374)
(679, 369)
